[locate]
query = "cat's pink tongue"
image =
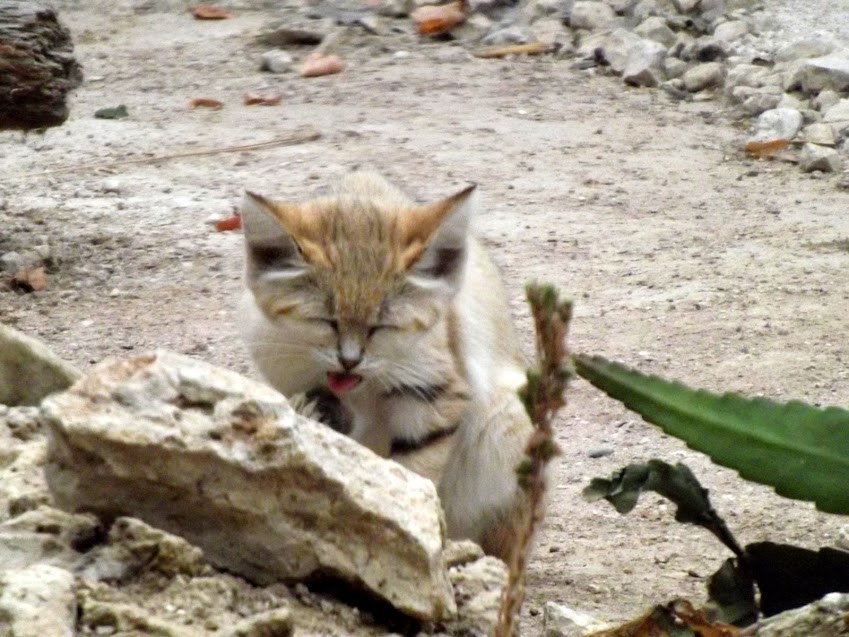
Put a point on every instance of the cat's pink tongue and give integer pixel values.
(339, 382)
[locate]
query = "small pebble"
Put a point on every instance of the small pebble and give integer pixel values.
(113, 186)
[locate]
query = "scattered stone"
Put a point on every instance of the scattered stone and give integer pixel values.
(822, 158)
(674, 68)
(792, 102)
(601, 452)
(210, 455)
(459, 552)
(711, 10)
(826, 72)
(731, 31)
(778, 123)
(276, 61)
(685, 6)
(478, 587)
(825, 99)
(755, 101)
(22, 455)
(134, 547)
(47, 535)
(821, 134)
(592, 16)
(111, 618)
(370, 22)
(614, 48)
(111, 186)
(38, 601)
(11, 262)
(813, 46)
(837, 115)
(515, 34)
(707, 49)
(28, 370)
(825, 618)
(395, 8)
(702, 76)
(655, 28)
(644, 66)
(748, 75)
(272, 623)
(562, 621)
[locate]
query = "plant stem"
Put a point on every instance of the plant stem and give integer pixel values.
(543, 396)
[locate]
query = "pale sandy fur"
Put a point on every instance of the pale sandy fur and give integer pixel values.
(373, 253)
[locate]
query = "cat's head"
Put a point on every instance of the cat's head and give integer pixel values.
(357, 276)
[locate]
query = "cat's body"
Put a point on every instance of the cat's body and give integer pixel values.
(390, 308)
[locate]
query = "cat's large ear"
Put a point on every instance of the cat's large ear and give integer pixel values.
(272, 253)
(434, 241)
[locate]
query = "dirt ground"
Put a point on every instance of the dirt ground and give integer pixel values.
(684, 258)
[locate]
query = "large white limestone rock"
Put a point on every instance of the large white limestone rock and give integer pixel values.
(225, 462)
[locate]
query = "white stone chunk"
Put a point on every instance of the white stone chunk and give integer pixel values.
(225, 462)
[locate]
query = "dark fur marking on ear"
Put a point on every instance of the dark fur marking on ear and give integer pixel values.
(447, 261)
(271, 257)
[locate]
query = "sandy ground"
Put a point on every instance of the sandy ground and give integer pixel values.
(684, 258)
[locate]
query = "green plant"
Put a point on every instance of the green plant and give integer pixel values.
(800, 450)
(542, 396)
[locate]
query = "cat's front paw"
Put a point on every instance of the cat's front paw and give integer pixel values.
(322, 405)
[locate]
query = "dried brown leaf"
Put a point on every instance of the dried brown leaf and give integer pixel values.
(678, 616)
(532, 48)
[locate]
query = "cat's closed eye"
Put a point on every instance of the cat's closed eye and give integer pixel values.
(373, 329)
(333, 324)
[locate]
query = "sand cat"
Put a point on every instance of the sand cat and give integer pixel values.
(389, 320)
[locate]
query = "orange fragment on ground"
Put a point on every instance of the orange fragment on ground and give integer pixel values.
(318, 65)
(228, 224)
(532, 48)
(262, 99)
(205, 102)
(208, 12)
(766, 149)
(30, 280)
(433, 20)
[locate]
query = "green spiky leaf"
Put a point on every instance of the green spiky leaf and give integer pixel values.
(800, 450)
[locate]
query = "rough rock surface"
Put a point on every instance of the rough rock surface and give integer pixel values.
(478, 585)
(28, 370)
(778, 123)
(826, 618)
(37, 601)
(822, 158)
(22, 453)
(225, 462)
(562, 621)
